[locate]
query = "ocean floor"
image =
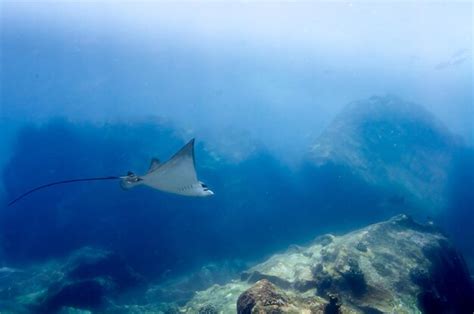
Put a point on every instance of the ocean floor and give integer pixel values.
(395, 266)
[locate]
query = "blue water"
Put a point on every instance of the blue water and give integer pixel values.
(97, 90)
(259, 205)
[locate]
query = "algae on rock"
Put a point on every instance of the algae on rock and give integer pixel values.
(388, 267)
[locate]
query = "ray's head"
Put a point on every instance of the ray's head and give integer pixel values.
(130, 180)
(204, 190)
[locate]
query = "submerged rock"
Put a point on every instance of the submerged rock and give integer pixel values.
(396, 266)
(89, 263)
(90, 276)
(265, 297)
(393, 145)
(223, 298)
(84, 281)
(85, 294)
(181, 289)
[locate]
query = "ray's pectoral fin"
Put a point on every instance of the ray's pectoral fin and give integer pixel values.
(177, 175)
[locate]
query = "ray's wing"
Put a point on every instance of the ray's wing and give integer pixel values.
(176, 173)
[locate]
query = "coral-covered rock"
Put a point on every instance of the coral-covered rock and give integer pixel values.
(394, 266)
(262, 296)
(265, 297)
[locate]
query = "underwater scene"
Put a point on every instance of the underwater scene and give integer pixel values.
(236, 157)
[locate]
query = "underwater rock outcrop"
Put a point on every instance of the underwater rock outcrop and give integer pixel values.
(179, 290)
(85, 280)
(88, 277)
(396, 266)
(265, 297)
(394, 145)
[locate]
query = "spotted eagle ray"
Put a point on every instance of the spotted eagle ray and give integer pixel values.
(177, 176)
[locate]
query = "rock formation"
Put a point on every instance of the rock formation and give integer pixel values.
(85, 280)
(391, 144)
(396, 266)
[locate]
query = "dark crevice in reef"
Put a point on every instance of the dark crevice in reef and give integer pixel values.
(446, 286)
(88, 279)
(334, 306)
(369, 310)
(85, 294)
(355, 279)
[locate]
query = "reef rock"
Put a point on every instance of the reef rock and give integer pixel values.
(396, 266)
(393, 145)
(84, 281)
(264, 297)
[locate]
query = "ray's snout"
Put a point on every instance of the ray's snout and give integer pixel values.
(205, 190)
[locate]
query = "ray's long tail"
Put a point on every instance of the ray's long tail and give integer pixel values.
(62, 182)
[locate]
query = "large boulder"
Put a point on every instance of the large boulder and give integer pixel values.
(265, 297)
(394, 266)
(394, 145)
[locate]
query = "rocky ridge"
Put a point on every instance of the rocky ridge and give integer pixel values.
(396, 266)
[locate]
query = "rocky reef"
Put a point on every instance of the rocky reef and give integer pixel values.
(93, 280)
(87, 280)
(396, 266)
